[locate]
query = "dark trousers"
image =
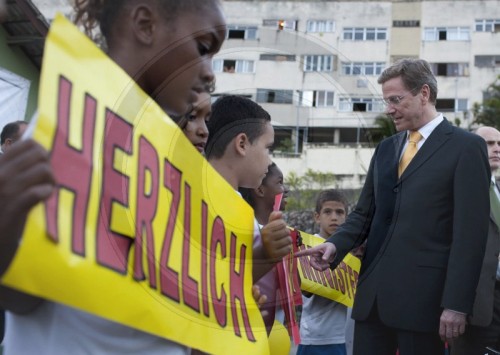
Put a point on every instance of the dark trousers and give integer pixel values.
(372, 337)
(476, 339)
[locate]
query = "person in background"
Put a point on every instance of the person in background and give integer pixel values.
(11, 133)
(484, 322)
(323, 321)
(194, 124)
(262, 201)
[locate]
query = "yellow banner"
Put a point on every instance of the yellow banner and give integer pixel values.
(338, 284)
(141, 229)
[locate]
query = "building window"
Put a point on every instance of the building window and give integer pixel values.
(488, 25)
(274, 96)
(462, 105)
(452, 105)
(446, 34)
(281, 24)
(318, 63)
(320, 26)
(241, 32)
(316, 98)
(361, 105)
(278, 57)
(450, 69)
(233, 66)
(364, 33)
(362, 68)
(487, 61)
(406, 23)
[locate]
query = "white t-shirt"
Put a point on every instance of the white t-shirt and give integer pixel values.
(54, 329)
(322, 322)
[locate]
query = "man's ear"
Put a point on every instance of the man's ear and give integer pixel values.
(426, 92)
(8, 142)
(241, 144)
(143, 22)
(316, 217)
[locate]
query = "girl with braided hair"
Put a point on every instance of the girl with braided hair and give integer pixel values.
(166, 46)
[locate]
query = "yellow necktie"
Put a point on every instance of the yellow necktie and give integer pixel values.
(410, 151)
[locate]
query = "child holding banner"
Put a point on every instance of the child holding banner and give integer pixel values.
(151, 41)
(262, 200)
(241, 135)
(323, 321)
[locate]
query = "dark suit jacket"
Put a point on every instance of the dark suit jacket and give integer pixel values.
(426, 230)
(482, 312)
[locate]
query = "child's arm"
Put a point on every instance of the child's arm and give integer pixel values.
(25, 179)
(276, 243)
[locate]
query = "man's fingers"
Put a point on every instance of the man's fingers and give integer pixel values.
(304, 252)
(329, 255)
(319, 264)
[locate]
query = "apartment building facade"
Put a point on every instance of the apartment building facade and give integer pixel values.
(314, 66)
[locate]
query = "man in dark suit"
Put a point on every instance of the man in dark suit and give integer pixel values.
(425, 219)
(484, 328)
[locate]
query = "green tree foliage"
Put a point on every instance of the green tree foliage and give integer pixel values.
(384, 128)
(304, 189)
(488, 112)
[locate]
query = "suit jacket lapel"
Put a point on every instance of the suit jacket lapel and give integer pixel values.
(398, 142)
(437, 138)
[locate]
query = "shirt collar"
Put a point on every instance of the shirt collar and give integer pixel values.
(426, 130)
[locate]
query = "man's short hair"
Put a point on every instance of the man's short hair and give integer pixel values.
(11, 130)
(415, 73)
(232, 115)
(330, 195)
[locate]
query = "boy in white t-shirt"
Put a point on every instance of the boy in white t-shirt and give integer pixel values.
(323, 321)
(238, 147)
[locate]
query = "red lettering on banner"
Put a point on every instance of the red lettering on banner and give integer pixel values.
(323, 278)
(305, 265)
(219, 303)
(335, 282)
(340, 280)
(317, 276)
(169, 278)
(146, 210)
(343, 267)
(78, 177)
(329, 278)
(189, 285)
(113, 248)
(237, 292)
(204, 261)
(351, 279)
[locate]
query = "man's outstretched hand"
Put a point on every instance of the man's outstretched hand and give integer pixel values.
(322, 255)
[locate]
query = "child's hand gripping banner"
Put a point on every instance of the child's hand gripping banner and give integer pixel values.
(338, 284)
(289, 287)
(140, 230)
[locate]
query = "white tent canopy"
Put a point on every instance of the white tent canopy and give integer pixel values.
(14, 91)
